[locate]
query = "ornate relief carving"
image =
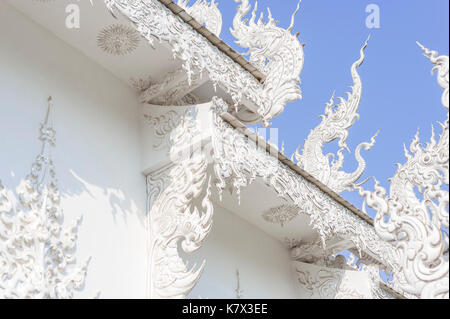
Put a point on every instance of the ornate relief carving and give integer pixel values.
(118, 39)
(167, 128)
(154, 20)
(414, 220)
(336, 122)
(174, 89)
(206, 13)
(325, 282)
(155, 89)
(281, 214)
(36, 252)
(238, 161)
(174, 218)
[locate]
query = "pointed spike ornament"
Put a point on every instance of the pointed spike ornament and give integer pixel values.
(335, 123)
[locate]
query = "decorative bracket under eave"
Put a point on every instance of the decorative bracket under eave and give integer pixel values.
(175, 163)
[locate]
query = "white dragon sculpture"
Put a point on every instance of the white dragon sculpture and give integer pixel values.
(335, 125)
(276, 52)
(415, 214)
(206, 13)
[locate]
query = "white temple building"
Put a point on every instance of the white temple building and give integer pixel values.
(128, 169)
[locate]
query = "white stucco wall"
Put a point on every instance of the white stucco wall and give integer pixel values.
(97, 154)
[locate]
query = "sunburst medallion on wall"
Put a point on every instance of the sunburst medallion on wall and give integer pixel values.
(118, 39)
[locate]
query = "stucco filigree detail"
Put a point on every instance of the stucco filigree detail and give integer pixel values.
(279, 46)
(165, 128)
(174, 89)
(174, 219)
(206, 13)
(36, 251)
(336, 122)
(281, 214)
(415, 211)
(118, 39)
(238, 161)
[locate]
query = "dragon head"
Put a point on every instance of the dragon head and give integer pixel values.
(274, 51)
(263, 40)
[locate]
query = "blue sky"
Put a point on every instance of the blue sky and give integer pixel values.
(399, 93)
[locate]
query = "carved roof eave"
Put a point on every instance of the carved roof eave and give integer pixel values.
(358, 226)
(271, 149)
(199, 49)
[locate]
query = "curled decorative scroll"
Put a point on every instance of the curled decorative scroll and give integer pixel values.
(174, 217)
(336, 122)
(416, 210)
(36, 251)
(274, 51)
(283, 51)
(206, 13)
